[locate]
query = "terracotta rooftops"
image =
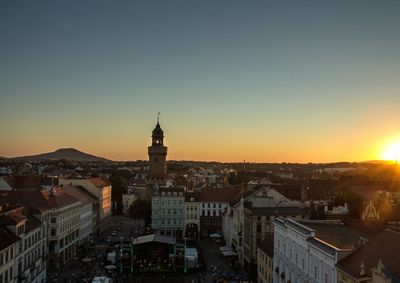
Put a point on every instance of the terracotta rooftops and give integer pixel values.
(59, 199)
(99, 182)
(29, 182)
(385, 247)
(76, 192)
(30, 199)
(12, 218)
(219, 195)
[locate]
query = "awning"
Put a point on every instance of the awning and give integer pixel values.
(225, 248)
(229, 253)
(215, 235)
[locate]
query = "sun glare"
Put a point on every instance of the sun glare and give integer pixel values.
(392, 152)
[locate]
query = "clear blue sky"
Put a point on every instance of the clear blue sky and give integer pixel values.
(233, 80)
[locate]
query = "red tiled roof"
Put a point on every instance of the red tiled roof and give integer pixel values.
(99, 182)
(38, 199)
(12, 219)
(75, 192)
(219, 195)
(30, 199)
(384, 246)
(60, 199)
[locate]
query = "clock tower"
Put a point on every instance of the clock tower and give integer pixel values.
(157, 157)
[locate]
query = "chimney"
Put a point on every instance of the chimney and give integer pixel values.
(362, 269)
(52, 192)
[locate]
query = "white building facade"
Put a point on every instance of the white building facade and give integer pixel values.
(299, 256)
(167, 211)
(102, 191)
(63, 226)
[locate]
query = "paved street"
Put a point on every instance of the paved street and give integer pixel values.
(76, 271)
(213, 258)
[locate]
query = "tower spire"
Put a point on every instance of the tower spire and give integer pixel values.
(158, 117)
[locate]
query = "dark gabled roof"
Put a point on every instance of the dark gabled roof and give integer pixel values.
(29, 199)
(385, 247)
(88, 194)
(7, 238)
(75, 192)
(192, 196)
(224, 195)
(60, 199)
(322, 245)
(12, 218)
(300, 227)
(278, 211)
(29, 182)
(334, 233)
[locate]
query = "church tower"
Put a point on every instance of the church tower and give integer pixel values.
(157, 157)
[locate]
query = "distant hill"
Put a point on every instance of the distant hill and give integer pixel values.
(63, 153)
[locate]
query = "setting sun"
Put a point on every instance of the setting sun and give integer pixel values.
(392, 151)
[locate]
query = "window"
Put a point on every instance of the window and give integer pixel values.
(315, 272)
(53, 232)
(258, 228)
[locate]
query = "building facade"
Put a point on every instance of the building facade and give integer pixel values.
(7, 254)
(30, 251)
(375, 262)
(192, 215)
(265, 255)
(167, 210)
(307, 251)
(63, 226)
(214, 204)
(101, 189)
(87, 212)
(258, 224)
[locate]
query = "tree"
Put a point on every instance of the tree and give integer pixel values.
(118, 189)
(141, 209)
(354, 201)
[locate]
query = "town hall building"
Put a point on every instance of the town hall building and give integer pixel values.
(167, 203)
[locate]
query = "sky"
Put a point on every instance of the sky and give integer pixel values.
(260, 81)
